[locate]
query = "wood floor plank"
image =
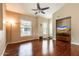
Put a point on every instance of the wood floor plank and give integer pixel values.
(42, 48)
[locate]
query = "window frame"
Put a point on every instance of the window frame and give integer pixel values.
(25, 35)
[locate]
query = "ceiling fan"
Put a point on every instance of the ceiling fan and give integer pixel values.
(39, 9)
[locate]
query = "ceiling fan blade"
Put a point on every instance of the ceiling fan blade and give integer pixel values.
(45, 8)
(34, 9)
(36, 13)
(38, 6)
(42, 12)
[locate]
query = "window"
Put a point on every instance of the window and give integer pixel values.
(45, 28)
(26, 28)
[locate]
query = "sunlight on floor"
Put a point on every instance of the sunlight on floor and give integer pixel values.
(25, 49)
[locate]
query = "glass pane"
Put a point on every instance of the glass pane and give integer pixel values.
(45, 28)
(26, 28)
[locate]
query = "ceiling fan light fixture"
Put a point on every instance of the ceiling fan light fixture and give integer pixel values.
(39, 9)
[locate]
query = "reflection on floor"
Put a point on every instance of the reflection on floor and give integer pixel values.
(42, 48)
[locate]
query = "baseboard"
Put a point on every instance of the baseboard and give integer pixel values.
(4, 50)
(21, 41)
(71, 42)
(74, 43)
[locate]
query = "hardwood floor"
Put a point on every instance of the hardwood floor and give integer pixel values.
(42, 48)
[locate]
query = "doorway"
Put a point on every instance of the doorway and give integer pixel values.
(45, 29)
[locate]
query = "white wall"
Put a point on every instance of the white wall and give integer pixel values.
(2, 35)
(73, 11)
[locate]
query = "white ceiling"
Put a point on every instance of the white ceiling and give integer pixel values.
(26, 8)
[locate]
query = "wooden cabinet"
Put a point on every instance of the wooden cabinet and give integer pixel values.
(63, 38)
(63, 29)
